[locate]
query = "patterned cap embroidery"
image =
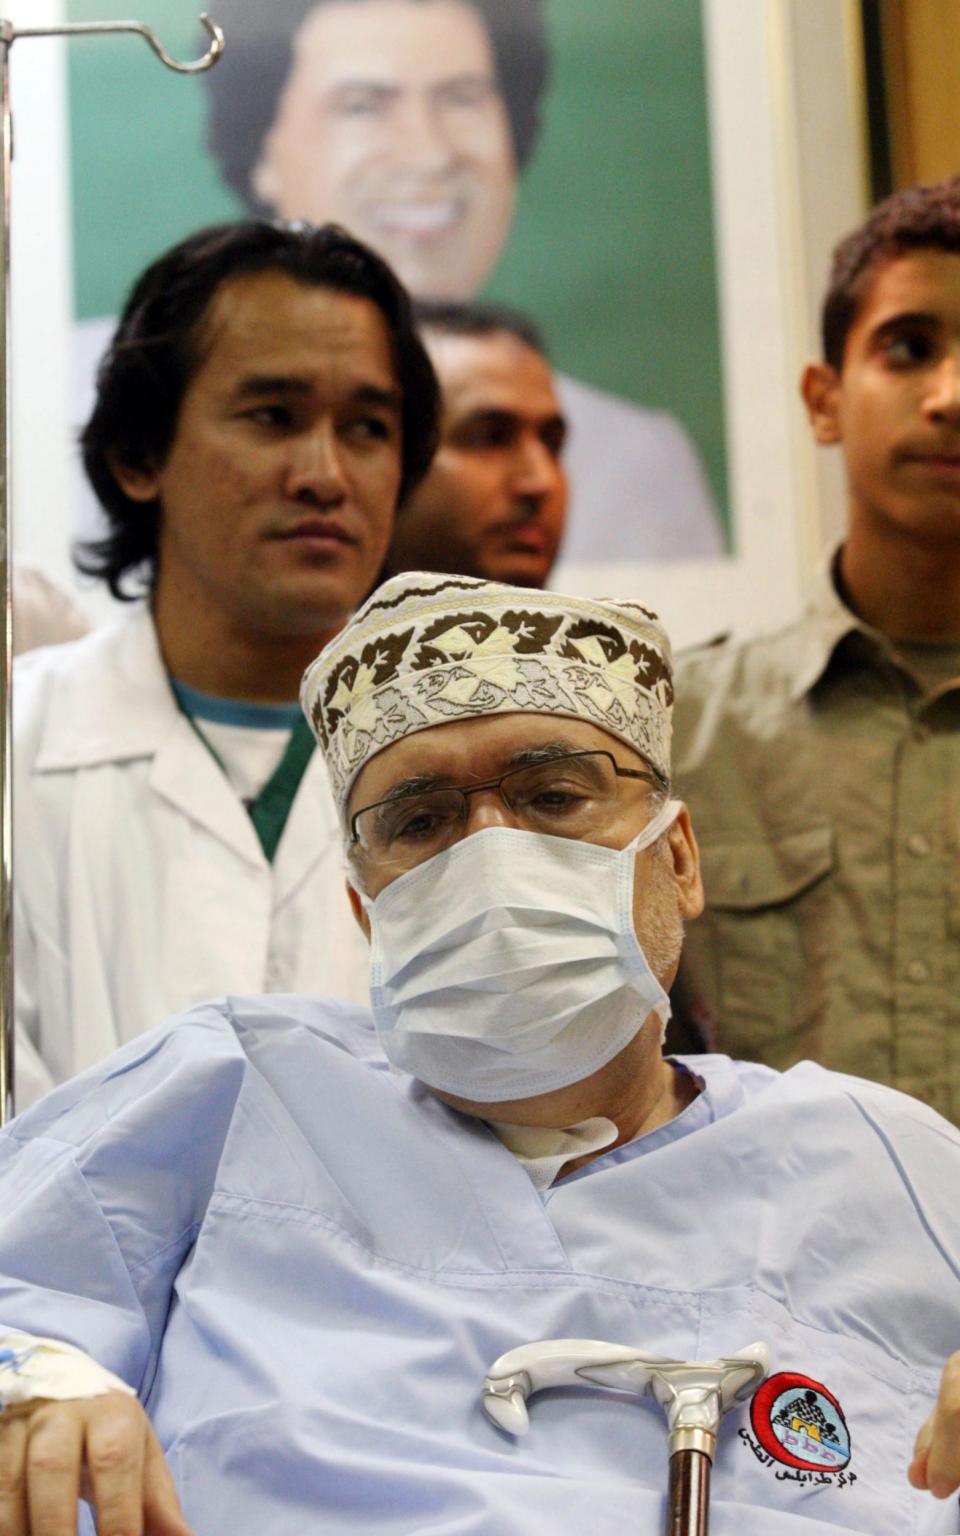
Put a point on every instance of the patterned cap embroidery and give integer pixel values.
(425, 650)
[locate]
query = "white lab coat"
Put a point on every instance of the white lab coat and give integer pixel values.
(140, 884)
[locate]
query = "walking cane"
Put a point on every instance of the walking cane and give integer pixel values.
(8, 36)
(694, 1393)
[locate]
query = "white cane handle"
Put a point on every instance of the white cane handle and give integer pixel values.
(694, 1394)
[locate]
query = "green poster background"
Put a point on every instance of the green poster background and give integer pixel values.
(612, 247)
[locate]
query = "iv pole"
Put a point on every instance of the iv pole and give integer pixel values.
(8, 36)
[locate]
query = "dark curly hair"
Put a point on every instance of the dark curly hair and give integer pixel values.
(244, 88)
(155, 353)
(918, 218)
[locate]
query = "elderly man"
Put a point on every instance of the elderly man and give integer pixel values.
(265, 403)
(301, 1236)
(409, 122)
(493, 502)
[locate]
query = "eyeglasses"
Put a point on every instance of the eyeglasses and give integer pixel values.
(574, 795)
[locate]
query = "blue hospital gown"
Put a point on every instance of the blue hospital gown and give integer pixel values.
(305, 1265)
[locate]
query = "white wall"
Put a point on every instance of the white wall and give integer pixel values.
(41, 293)
(825, 185)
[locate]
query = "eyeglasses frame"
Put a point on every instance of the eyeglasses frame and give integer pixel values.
(649, 776)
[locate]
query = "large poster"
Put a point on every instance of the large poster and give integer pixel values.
(544, 153)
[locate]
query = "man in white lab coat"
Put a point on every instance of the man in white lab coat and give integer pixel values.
(263, 407)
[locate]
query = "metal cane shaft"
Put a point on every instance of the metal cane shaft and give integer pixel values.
(689, 1494)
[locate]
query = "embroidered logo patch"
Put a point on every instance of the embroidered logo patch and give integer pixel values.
(799, 1422)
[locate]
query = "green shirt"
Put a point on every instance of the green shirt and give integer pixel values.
(822, 771)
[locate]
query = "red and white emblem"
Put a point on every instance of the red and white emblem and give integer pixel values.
(800, 1423)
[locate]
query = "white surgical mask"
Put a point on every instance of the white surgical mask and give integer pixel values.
(508, 965)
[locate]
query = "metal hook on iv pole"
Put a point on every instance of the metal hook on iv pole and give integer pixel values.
(9, 34)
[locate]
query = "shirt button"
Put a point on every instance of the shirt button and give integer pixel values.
(917, 970)
(918, 844)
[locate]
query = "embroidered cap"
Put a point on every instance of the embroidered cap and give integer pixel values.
(428, 649)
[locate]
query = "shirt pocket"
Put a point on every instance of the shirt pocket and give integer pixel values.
(825, 1441)
(768, 927)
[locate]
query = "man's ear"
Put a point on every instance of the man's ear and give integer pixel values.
(820, 388)
(358, 909)
(136, 481)
(686, 866)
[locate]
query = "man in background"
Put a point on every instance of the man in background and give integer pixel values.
(494, 499)
(265, 404)
(822, 762)
(409, 122)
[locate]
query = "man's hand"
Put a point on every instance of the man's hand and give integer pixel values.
(99, 1448)
(936, 1454)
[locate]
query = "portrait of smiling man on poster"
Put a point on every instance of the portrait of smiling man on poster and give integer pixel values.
(553, 159)
(411, 122)
(393, 116)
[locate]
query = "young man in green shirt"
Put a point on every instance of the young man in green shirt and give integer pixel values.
(822, 761)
